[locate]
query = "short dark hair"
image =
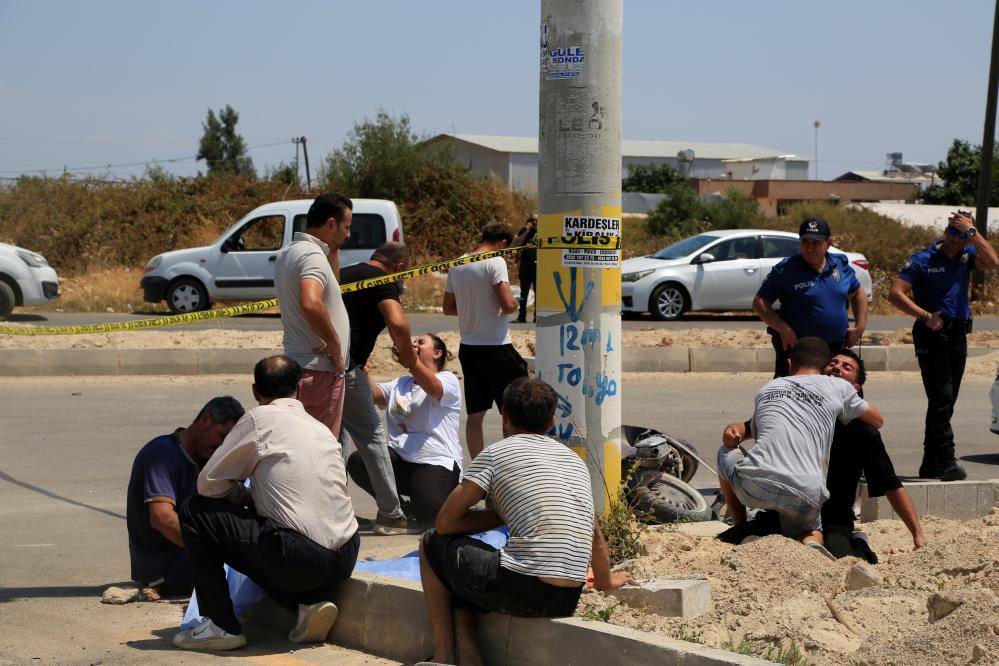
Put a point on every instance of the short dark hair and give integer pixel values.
(391, 252)
(810, 353)
(223, 409)
(861, 367)
(277, 376)
(326, 206)
(529, 404)
(495, 232)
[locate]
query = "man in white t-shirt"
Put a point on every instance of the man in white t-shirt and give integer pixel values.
(479, 294)
(313, 316)
(793, 424)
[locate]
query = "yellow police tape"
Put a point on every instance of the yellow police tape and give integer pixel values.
(554, 243)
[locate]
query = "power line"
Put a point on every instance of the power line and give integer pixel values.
(109, 166)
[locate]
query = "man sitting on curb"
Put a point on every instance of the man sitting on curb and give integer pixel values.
(793, 424)
(857, 449)
(164, 475)
(293, 533)
(541, 491)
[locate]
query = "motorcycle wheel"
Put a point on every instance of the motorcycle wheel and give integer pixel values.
(667, 499)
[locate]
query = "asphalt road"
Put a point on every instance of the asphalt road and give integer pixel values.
(430, 323)
(66, 448)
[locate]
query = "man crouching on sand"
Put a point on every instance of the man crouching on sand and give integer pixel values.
(793, 423)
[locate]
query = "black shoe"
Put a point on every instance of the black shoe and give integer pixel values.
(928, 471)
(953, 472)
(518, 320)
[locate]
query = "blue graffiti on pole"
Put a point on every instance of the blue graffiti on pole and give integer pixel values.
(590, 338)
(610, 347)
(606, 387)
(572, 377)
(563, 408)
(570, 302)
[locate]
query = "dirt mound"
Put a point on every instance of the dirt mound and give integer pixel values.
(774, 592)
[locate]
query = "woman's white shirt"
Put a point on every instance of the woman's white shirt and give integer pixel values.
(421, 428)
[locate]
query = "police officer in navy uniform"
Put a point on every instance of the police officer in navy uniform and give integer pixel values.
(938, 279)
(814, 288)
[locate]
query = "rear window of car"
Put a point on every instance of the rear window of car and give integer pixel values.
(778, 247)
(367, 231)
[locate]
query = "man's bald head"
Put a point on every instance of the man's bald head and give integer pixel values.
(276, 377)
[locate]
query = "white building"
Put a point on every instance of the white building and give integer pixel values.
(514, 160)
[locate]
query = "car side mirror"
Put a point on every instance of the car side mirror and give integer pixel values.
(226, 245)
(704, 258)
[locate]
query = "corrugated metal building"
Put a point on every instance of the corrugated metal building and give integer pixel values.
(514, 160)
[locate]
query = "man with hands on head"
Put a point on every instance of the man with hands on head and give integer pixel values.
(937, 279)
(541, 491)
(814, 288)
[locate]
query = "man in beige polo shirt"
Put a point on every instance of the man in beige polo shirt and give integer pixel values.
(314, 319)
(293, 532)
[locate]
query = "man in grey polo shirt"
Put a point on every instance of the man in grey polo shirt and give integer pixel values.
(315, 322)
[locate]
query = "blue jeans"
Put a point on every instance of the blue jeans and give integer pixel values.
(797, 517)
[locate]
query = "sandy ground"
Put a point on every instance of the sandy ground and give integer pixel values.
(770, 591)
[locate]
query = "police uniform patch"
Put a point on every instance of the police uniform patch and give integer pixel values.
(964, 258)
(908, 262)
(835, 274)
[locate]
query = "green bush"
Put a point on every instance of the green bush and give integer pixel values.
(684, 213)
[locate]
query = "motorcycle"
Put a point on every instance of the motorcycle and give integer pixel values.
(656, 469)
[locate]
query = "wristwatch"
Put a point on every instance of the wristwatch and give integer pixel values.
(971, 232)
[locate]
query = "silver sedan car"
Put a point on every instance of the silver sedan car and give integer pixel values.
(714, 271)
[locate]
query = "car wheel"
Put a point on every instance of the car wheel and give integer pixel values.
(669, 301)
(7, 300)
(187, 295)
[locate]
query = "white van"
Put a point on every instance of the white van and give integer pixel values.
(239, 265)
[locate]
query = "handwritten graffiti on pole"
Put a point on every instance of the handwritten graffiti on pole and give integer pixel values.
(569, 303)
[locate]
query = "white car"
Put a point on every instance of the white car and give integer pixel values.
(25, 279)
(239, 265)
(714, 271)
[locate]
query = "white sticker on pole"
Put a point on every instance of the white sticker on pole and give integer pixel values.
(581, 225)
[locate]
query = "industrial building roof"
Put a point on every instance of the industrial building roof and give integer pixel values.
(702, 149)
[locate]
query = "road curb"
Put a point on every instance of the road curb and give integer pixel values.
(71, 362)
(371, 608)
(954, 500)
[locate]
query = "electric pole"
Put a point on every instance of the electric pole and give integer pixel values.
(305, 152)
(988, 145)
(579, 202)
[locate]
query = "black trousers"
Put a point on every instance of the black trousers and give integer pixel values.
(527, 276)
(289, 566)
(781, 368)
(942, 356)
(426, 486)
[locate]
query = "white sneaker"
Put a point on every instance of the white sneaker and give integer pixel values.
(314, 622)
(207, 636)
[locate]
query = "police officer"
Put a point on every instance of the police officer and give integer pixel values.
(938, 279)
(814, 288)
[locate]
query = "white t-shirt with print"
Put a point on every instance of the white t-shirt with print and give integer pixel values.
(421, 428)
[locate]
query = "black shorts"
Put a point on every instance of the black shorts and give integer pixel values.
(470, 569)
(488, 370)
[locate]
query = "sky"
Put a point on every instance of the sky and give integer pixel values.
(87, 84)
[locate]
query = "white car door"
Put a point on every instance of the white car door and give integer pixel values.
(244, 265)
(367, 232)
(731, 280)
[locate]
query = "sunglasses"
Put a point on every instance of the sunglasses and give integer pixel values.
(954, 233)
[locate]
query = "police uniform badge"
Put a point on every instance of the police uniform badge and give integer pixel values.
(836, 274)
(964, 258)
(908, 262)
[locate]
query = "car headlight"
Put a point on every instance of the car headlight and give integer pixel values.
(33, 259)
(153, 264)
(635, 277)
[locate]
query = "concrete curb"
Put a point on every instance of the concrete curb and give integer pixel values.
(955, 500)
(388, 617)
(50, 362)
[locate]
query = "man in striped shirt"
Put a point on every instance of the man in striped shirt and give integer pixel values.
(541, 491)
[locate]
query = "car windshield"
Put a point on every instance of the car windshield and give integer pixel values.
(685, 247)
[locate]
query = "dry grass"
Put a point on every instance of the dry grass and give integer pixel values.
(102, 290)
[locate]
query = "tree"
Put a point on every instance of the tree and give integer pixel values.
(733, 211)
(651, 178)
(381, 158)
(285, 172)
(221, 147)
(681, 212)
(959, 173)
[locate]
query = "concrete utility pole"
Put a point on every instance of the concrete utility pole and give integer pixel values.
(989, 133)
(579, 198)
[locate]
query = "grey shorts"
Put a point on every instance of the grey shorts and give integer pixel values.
(796, 516)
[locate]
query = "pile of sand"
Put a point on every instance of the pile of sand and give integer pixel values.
(935, 605)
